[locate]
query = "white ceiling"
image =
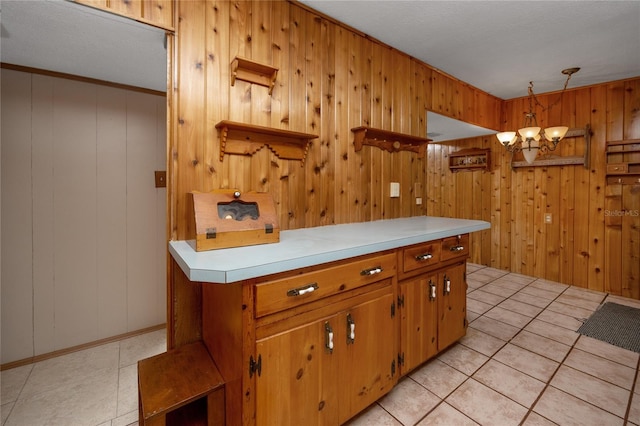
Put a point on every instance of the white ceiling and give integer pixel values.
(499, 46)
(66, 37)
(496, 46)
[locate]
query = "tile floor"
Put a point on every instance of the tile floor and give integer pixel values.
(521, 363)
(93, 387)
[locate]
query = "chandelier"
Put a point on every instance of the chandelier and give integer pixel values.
(531, 139)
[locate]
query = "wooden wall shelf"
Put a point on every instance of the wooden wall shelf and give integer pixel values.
(623, 159)
(246, 139)
(390, 141)
(253, 72)
(470, 159)
(557, 160)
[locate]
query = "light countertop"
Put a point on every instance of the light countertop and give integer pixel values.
(304, 247)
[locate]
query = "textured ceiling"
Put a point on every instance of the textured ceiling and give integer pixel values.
(496, 46)
(499, 46)
(65, 37)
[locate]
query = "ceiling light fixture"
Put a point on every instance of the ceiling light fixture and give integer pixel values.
(530, 139)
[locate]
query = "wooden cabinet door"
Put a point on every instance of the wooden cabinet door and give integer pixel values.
(418, 321)
(452, 305)
(367, 353)
(297, 382)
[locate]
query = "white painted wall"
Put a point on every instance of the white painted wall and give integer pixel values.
(83, 226)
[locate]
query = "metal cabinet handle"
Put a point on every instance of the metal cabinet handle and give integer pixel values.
(425, 256)
(328, 331)
(447, 285)
(351, 329)
(371, 271)
(309, 288)
(456, 248)
(432, 290)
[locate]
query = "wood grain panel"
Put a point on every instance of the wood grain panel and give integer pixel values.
(613, 243)
(343, 135)
(582, 199)
(130, 8)
(596, 189)
(217, 71)
(327, 163)
(313, 177)
(356, 189)
(377, 190)
(630, 247)
(158, 12)
(296, 197)
(154, 12)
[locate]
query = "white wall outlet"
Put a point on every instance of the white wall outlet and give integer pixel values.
(394, 191)
(418, 201)
(548, 218)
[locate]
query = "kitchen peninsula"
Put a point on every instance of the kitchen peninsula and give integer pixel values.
(316, 327)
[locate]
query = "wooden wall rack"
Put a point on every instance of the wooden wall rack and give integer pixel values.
(623, 159)
(387, 140)
(246, 139)
(470, 159)
(556, 160)
(253, 72)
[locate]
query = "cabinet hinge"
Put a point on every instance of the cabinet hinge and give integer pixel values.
(255, 366)
(401, 359)
(400, 301)
(393, 368)
(393, 310)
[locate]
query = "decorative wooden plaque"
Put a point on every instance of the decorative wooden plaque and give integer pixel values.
(228, 218)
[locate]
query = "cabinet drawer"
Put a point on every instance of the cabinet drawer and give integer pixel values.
(617, 168)
(285, 293)
(420, 256)
(455, 247)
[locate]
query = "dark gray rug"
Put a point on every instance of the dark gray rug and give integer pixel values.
(616, 324)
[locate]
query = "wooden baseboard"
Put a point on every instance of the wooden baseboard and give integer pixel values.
(93, 344)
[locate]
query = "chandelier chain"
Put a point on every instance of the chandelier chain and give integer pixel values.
(532, 96)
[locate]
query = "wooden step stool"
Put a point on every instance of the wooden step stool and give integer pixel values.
(180, 387)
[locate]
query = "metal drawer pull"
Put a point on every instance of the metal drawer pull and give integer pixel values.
(456, 248)
(425, 256)
(309, 288)
(371, 271)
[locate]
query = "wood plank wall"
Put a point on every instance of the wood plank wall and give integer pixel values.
(330, 80)
(158, 13)
(591, 242)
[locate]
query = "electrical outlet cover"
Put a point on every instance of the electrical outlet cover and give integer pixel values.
(394, 190)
